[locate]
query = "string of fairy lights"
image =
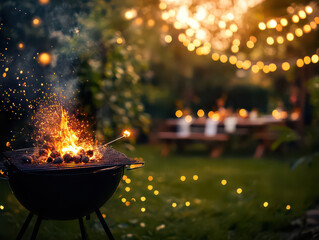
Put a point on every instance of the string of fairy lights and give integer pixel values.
(279, 30)
(256, 66)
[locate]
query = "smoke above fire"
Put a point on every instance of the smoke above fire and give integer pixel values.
(36, 67)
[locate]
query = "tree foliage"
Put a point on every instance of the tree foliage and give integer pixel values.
(110, 70)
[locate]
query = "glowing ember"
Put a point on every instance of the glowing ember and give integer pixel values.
(126, 133)
(36, 22)
(21, 46)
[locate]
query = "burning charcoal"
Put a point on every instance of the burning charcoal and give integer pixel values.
(49, 159)
(89, 153)
(67, 158)
(85, 159)
(43, 152)
(81, 152)
(55, 154)
(77, 159)
(48, 146)
(92, 160)
(26, 159)
(58, 160)
(42, 158)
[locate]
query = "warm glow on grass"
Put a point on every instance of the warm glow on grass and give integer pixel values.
(128, 181)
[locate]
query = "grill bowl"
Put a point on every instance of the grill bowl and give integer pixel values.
(63, 195)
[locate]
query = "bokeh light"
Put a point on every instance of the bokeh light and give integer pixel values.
(44, 59)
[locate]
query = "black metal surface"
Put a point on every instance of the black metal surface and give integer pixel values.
(65, 196)
(65, 192)
(110, 157)
(36, 228)
(104, 225)
(82, 228)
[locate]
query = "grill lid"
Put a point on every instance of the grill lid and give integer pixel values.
(110, 158)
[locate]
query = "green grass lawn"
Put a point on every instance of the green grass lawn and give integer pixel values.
(216, 211)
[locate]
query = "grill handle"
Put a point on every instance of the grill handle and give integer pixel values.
(135, 166)
(4, 175)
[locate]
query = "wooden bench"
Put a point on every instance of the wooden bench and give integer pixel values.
(214, 142)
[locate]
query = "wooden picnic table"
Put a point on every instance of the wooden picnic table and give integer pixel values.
(258, 128)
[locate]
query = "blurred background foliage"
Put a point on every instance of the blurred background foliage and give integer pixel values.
(124, 72)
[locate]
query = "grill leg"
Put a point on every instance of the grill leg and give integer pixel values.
(83, 233)
(36, 228)
(24, 226)
(106, 228)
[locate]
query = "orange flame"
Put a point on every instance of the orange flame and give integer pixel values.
(69, 140)
(64, 132)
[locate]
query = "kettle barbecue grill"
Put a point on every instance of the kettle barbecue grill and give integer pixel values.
(65, 191)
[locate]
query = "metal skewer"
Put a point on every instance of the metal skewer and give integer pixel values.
(126, 133)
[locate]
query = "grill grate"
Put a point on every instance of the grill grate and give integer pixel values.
(110, 158)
